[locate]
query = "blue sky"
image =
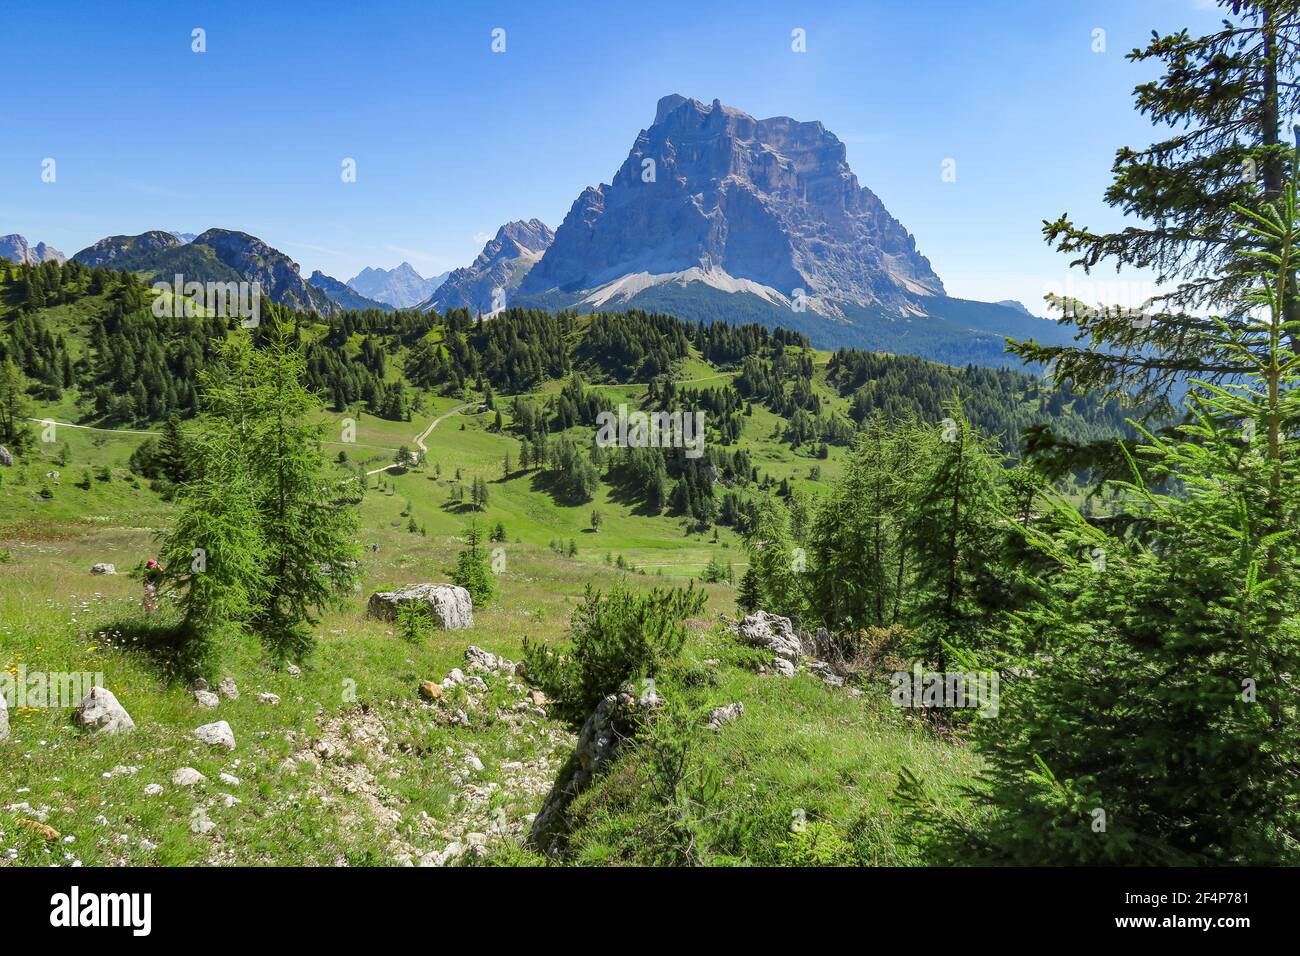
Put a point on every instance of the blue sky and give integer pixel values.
(451, 139)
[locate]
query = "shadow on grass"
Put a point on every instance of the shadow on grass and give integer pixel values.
(159, 637)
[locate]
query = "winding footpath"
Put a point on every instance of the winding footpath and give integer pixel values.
(419, 439)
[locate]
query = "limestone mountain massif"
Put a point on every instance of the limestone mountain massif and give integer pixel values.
(717, 215)
(709, 194)
(713, 215)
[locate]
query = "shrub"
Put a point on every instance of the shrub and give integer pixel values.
(617, 637)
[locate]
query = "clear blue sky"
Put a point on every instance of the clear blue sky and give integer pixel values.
(451, 140)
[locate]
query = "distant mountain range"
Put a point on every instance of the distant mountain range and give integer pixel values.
(714, 215)
(344, 295)
(401, 287)
(15, 248)
(488, 283)
(217, 255)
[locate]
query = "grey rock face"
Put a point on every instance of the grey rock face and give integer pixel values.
(15, 248)
(614, 720)
(770, 632)
(725, 715)
(216, 734)
(206, 699)
(255, 261)
(502, 265)
(713, 193)
(100, 713)
(402, 287)
(451, 605)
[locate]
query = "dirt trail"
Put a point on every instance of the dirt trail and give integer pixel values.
(419, 439)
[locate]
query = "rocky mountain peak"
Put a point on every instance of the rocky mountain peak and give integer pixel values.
(16, 249)
(734, 201)
(489, 282)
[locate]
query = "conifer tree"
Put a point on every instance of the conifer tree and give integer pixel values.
(175, 461)
(1227, 96)
(473, 571)
(860, 548)
(14, 407)
(1156, 723)
(310, 536)
(954, 523)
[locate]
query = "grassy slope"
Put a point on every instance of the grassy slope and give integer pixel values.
(393, 780)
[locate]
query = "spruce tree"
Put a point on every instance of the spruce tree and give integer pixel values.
(1156, 723)
(1226, 96)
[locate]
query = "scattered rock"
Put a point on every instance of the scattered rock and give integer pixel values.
(783, 667)
(216, 734)
(4, 718)
(824, 672)
(184, 777)
(771, 632)
(205, 698)
(100, 713)
(6, 457)
(200, 822)
(451, 853)
(265, 698)
(725, 715)
(228, 688)
(200, 684)
(229, 779)
(153, 789)
(294, 670)
(538, 698)
(429, 690)
(451, 605)
(477, 659)
(103, 568)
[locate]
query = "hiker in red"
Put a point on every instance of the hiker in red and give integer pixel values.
(153, 573)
